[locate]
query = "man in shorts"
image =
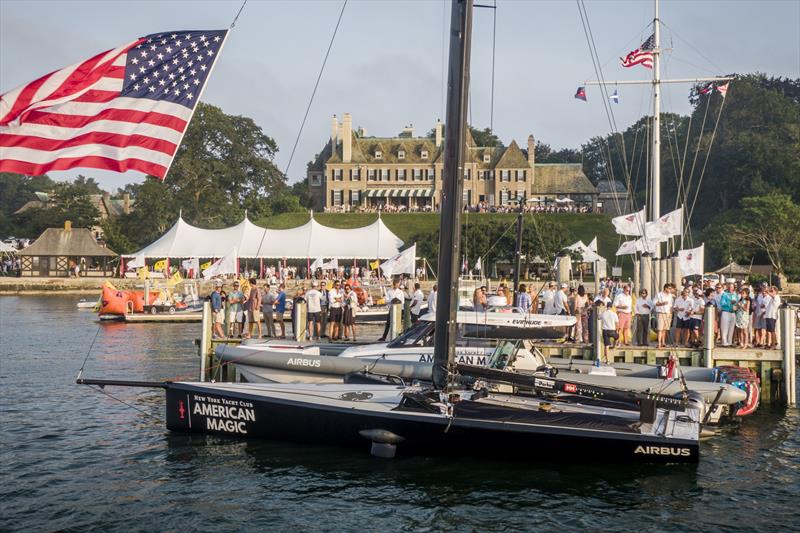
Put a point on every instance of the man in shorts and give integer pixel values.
(217, 310)
(235, 313)
(610, 324)
(314, 310)
(663, 304)
(335, 296)
(684, 305)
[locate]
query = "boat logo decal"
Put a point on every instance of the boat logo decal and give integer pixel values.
(663, 450)
(181, 409)
(544, 383)
(570, 387)
(355, 396)
(299, 361)
(224, 414)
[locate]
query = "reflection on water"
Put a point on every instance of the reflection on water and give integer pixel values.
(74, 458)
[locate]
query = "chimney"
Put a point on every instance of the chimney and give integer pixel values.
(126, 203)
(531, 150)
(347, 138)
(67, 225)
(438, 133)
(334, 131)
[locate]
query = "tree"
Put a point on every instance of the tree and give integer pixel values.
(769, 224)
(545, 154)
(484, 137)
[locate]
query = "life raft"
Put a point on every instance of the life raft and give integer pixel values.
(118, 302)
(745, 379)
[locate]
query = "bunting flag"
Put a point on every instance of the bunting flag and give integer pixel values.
(614, 97)
(580, 94)
(318, 262)
(632, 224)
(160, 265)
(723, 89)
(642, 55)
(692, 260)
(402, 263)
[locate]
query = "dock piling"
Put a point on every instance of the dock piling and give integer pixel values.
(788, 325)
(395, 320)
(205, 339)
(597, 343)
(708, 335)
(299, 314)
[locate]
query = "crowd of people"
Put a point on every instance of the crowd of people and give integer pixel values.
(480, 207)
(10, 266)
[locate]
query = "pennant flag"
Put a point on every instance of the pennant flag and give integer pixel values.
(642, 55)
(402, 263)
(632, 224)
(123, 109)
(478, 264)
(318, 262)
(692, 260)
(205, 265)
(176, 278)
(593, 245)
(160, 265)
(136, 262)
(614, 97)
(706, 89)
(723, 89)
(222, 266)
(374, 265)
(580, 94)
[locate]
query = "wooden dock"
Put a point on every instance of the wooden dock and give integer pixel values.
(146, 318)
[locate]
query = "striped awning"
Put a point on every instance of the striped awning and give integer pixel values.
(398, 193)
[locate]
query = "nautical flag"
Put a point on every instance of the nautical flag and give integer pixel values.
(642, 55)
(593, 244)
(176, 278)
(580, 94)
(632, 224)
(136, 262)
(160, 265)
(614, 97)
(671, 224)
(123, 109)
(723, 89)
(478, 264)
(706, 89)
(636, 245)
(691, 260)
(402, 263)
(333, 264)
(223, 265)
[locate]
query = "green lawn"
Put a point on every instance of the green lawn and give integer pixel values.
(579, 226)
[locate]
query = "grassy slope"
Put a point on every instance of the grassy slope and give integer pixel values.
(580, 226)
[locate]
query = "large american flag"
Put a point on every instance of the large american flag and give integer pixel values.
(642, 55)
(123, 109)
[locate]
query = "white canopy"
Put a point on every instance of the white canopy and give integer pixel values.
(312, 239)
(7, 248)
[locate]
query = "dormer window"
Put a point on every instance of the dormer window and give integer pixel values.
(424, 154)
(401, 154)
(487, 158)
(378, 154)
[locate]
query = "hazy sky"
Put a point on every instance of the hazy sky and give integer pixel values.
(386, 66)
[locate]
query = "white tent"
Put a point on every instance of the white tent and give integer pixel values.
(6, 248)
(312, 239)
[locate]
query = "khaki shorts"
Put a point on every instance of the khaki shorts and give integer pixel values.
(664, 321)
(219, 316)
(254, 316)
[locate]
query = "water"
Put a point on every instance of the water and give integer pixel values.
(73, 458)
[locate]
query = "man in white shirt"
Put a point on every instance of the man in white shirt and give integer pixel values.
(772, 303)
(696, 318)
(432, 299)
(393, 295)
(663, 305)
(609, 321)
(684, 305)
(314, 310)
(335, 296)
(416, 303)
(560, 301)
(603, 297)
(547, 299)
(644, 306)
(623, 303)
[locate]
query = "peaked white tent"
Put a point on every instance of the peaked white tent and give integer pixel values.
(312, 239)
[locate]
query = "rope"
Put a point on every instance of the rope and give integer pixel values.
(80, 370)
(705, 163)
(102, 390)
(237, 15)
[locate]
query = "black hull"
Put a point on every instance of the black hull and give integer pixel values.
(278, 419)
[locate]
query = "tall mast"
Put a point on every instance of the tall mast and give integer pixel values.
(655, 199)
(452, 191)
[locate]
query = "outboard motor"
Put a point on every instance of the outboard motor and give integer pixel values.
(696, 406)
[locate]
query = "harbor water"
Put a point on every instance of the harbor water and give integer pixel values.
(78, 459)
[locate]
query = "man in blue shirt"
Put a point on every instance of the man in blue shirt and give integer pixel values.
(217, 312)
(727, 322)
(523, 298)
(280, 308)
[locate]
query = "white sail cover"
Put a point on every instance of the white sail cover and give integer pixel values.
(312, 239)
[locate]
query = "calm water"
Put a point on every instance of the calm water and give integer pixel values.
(73, 458)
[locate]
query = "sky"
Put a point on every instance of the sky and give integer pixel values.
(387, 65)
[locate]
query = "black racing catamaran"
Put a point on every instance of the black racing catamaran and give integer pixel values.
(448, 416)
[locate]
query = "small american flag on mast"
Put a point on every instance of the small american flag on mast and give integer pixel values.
(642, 55)
(124, 109)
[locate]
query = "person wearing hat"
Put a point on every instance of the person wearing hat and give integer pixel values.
(314, 310)
(218, 312)
(235, 313)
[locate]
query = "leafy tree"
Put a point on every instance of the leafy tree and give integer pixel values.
(545, 154)
(68, 202)
(484, 137)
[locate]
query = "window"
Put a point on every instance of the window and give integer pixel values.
(520, 175)
(401, 154)
(503, 197)
(337, 174)
(401, 174)
(430, 174)
(505, 175)
(378, 154)
(370, 174)
(466, 173)
(424, 154)
(355, 174)
(466, 196)
(336, 198)
(487, 158)
(384, 174)
(316, 180)
(520, 195)
(355, 197)
(417, 174)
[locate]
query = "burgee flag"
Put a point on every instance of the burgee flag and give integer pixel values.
(691, 260)
(580, 94)
(723, 89)
(123, 109)
(632, 224)
(636, 245)
(402, 263)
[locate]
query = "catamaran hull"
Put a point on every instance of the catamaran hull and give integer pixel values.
(190, 409)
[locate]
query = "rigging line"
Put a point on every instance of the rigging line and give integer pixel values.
(314, 92)
(88, 353)
(494, 47)
(237, 15)
(719, 69)
(102, 390)
(697, 148)
(708, 154)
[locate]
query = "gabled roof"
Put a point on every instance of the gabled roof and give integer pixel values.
(61, 242)
(561, 178)
(363, 150)
(512, 158)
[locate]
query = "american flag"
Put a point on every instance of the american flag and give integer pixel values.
(123, 109)
(642, 55)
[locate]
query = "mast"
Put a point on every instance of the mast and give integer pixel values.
(518, 251)
(655, 195)
(452, 190)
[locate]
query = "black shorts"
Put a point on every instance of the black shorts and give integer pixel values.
(684, 323)
(770, 322)
(696, 323)
(335, 314)
(314, 317)
(609, 334)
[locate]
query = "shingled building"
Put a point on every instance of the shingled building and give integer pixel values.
(354, 171)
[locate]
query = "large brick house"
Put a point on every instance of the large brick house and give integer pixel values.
(354, 171)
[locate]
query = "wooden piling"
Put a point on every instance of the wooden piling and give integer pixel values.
(205, 339)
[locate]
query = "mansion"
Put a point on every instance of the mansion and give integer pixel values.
(354, 171)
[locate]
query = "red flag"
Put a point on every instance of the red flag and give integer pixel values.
(642, 55)
(580, 94)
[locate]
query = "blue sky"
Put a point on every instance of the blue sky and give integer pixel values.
(386, 66)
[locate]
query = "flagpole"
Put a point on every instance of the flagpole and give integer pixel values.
(655, 194)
